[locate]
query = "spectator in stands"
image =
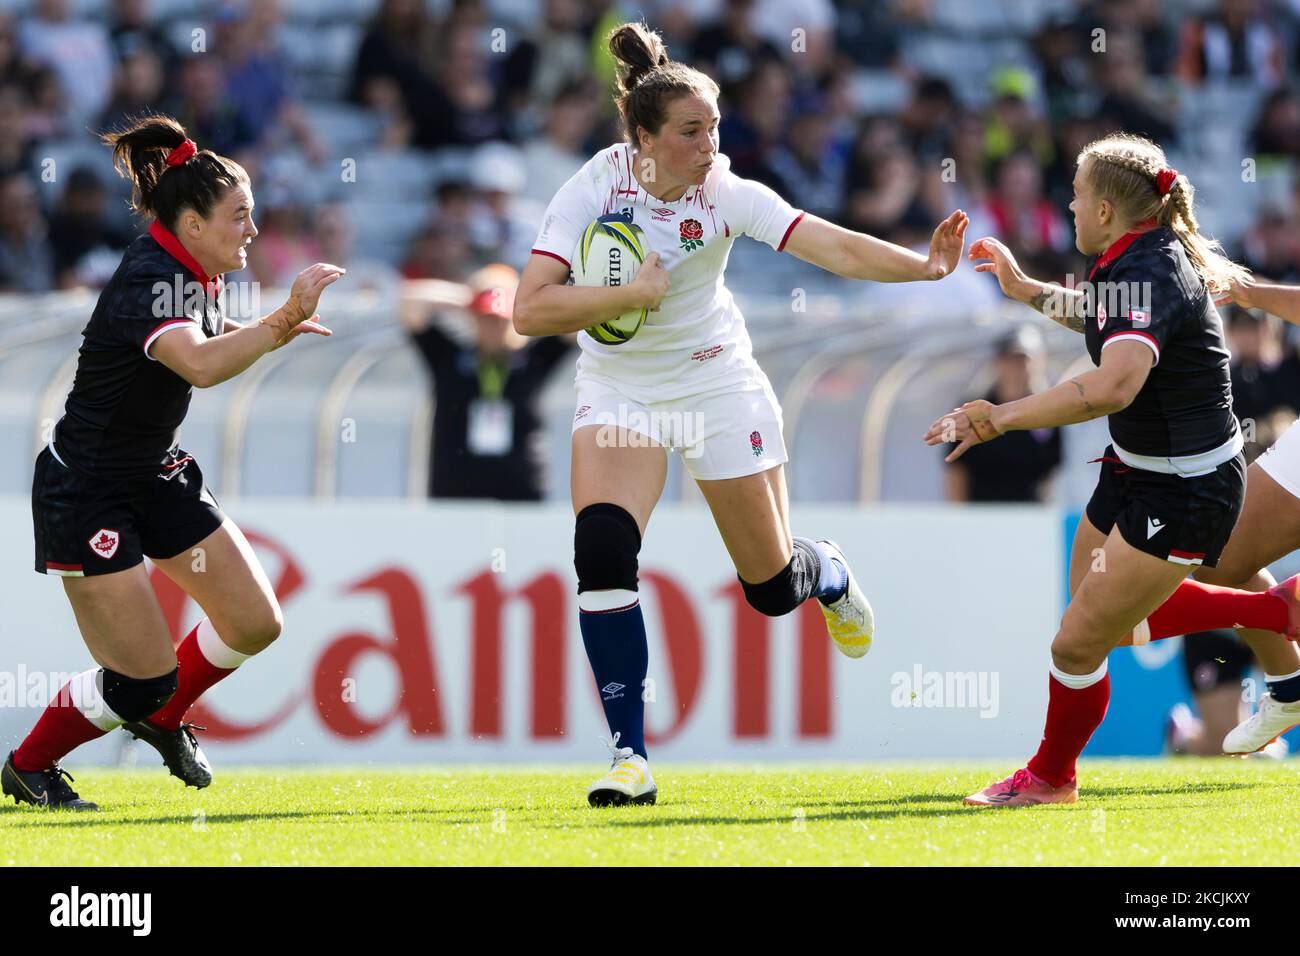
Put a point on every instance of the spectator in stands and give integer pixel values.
(204, 106)
(1013, 122)
(750, 131)
(548, 60)
(13, 68)
(1276, 135)
(1271, 246)
(1128, 102)
(83, 239)
(17, 148)
(139, 85)
(48, 116)
(1236, 42)
(561, 150)
(1145, 18)
(1064, 51)
(1019, 472)
(869, 34)
(803, 31)
(331, 227)
(487, 429)
(729, 49)
(928, 117)
(503, 225)
(285, 242)
(1265, 379)
(396, 59)
(464, 108)
(1022, 216)
(131, 27)
(258, 79)
(78, 52)
(810, 169)
(440, 251)
(26, 263)
(884, 185)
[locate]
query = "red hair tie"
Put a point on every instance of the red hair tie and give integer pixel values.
(182, 153)
(1165, 179)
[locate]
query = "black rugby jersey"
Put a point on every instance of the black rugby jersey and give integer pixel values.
(125, 408)
(1144, 288)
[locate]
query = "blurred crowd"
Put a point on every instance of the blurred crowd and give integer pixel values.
(834, 104)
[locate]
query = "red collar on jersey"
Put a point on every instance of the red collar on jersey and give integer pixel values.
(167, 239)
(1118, 247)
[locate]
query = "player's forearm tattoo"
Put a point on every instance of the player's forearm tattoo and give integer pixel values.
(1058, 305)
(1087, 405)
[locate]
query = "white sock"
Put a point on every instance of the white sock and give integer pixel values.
(1079, 681)
(218, 652)
(83, 692)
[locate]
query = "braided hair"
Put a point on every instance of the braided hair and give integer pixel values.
(1134, 175)
(649, 81)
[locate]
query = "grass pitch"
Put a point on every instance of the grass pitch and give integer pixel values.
(1165, 812)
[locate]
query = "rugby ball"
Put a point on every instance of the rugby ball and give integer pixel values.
(609, 253)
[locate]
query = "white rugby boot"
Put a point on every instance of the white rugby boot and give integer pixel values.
(850, 620)
(629, 779)
(1261, 728)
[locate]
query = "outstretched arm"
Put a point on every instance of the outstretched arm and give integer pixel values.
(857, 255)
(206, 362)
(1281, 300)
(1063, 306)
(1102, 391)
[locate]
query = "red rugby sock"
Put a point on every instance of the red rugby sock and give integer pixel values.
(1206, 607)
(198, 672)
(1073, 713)
(66, 724)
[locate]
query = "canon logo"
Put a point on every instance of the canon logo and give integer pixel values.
(548, 604)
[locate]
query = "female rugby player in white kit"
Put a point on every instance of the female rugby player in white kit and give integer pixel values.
(690, 362)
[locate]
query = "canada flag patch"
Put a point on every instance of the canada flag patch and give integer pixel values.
(104, 542)
(1140, 319)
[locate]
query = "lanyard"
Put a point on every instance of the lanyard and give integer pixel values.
(492, 378)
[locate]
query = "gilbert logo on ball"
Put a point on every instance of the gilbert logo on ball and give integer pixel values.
(609, 254)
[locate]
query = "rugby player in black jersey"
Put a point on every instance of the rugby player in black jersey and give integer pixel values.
(1173, 480)
(113, 486)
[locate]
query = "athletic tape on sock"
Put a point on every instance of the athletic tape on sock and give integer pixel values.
(615, 599)
(1079, 681)
(1142, 634)
(217, 652)
(84, 694)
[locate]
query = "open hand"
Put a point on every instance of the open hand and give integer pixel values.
(972, 424)
(946, 245)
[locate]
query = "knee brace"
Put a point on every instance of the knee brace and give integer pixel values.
(135, 698)
(606, 542)
(789, 587)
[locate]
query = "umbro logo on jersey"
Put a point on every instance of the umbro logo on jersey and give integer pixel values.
(663, 211)
(1154, 527)
(613, 690)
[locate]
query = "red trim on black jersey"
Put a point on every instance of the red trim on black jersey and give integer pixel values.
(543, 252)
(167, 239)
(789, 229)
(52, 566)
(1134, 334)
(1120, 245)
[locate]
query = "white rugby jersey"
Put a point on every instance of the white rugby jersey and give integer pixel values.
(697, 341)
